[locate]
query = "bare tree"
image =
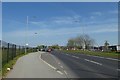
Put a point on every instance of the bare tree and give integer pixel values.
(79, 41)
(106, 44)
(88, 42)
(83, 41)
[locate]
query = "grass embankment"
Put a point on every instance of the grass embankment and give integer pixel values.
(95, 53)
(10, 64)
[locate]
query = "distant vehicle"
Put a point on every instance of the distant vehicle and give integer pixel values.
(43, 49)
(48, 50)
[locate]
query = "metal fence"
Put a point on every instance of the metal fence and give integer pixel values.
(10, 51)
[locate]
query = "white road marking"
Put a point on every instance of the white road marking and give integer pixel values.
(58, 62)
(113, 59)
(92, 61)
(61, 66)
(75, 56)
(50, 65)
(100, 57)
(65, 72)
(118, 69)
(105, 58)
(60, 72)
(47, 63)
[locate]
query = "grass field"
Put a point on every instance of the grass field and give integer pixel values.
(0, 63)
(95, 53)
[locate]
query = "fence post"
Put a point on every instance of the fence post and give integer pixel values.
(19, 51)
(8, 52)
(15, 51)
(24, 49)
(12, 51)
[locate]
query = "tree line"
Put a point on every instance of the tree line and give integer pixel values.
(83, 41)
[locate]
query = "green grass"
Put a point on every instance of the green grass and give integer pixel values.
(95, 53)
(10, 64)
(0, 66)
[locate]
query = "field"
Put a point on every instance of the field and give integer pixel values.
(95, 53)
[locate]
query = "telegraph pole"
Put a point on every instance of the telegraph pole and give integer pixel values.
(26, 35)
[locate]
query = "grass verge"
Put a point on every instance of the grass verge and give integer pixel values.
(95, 53)
(10, 64)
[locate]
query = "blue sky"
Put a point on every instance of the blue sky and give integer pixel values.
(1, 20)
(55, 23)
(60, 0)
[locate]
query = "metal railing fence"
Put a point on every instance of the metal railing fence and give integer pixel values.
(10, 51)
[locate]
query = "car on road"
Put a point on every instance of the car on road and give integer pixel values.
(43, 49)
(48, 50)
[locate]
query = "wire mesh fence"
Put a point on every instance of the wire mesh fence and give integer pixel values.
(10, 51)
(0, 60)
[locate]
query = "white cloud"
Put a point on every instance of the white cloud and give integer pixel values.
(40, 23)
(20, 36)
(65, 31)
(92, 17)
(106, 30)
(103, 28)
(59, 20)
(97, 13)
(71, 20)
(63, 20)
(113, 11)
(94, 14)
(91, 25)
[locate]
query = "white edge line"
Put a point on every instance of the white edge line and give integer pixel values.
(61, 66)
(92, 61)
(118, 69)
(75, 56)
(47, 63)
(65, 72)
(60, 72)
(86, 60)
(113, 59)
(105, 58)
(50, 65)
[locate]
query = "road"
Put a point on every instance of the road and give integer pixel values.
(62, 65)
(84, 66)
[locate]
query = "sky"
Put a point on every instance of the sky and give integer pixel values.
(0, 21)
(56, 22)
(60, 0)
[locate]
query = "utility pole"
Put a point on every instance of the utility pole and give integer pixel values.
(84, 46)
(26, 42)
(26, 35)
